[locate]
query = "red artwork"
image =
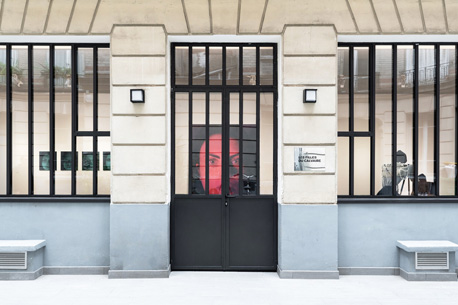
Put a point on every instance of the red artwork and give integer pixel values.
(215, 165)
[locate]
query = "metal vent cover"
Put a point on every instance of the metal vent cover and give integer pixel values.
(17, 260)
(431, 261)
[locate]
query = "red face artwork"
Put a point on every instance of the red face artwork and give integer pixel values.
(215, 165)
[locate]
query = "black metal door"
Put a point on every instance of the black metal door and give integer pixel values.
(224, 157)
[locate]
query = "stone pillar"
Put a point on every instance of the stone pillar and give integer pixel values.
(307, 238)
(139, 212)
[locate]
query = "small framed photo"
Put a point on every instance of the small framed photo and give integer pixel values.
(66, 161)
(88, 162)
(106, 161)
(44, 158)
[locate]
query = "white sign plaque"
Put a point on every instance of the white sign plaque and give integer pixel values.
(309, 159)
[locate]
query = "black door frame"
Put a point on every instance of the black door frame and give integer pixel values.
(225, 91)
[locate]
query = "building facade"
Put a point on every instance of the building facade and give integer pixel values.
(220, 162)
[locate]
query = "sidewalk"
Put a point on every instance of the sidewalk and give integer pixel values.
(225, 288)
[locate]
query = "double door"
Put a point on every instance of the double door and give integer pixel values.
(224, 209)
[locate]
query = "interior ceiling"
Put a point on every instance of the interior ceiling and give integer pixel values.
(229, 16)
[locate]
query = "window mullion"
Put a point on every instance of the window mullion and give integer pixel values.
(351, 122)
(394, 119)
(372, 115)
(74, 116)
(437, 119)
(30, 117)
(51, 121)
(95, 149)
(9, 125)
(415, 120)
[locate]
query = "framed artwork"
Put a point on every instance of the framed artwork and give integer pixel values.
(106, 161)
(88, 162)
(44, 158)
(66, 161)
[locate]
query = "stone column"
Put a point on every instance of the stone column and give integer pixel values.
(139, 213)
(307, 238)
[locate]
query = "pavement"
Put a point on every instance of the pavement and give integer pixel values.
(225, 288)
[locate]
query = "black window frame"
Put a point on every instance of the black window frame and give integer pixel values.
(351, 134)
(95, 133)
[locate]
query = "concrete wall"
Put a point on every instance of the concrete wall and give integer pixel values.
(368, 232)
(77, 234)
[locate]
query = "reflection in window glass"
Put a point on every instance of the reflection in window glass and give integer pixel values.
(266, 62)
(361, 88)
(232, 65)
(181, 143)
(343, 89)
(362, 165)
(426, 110)
(63, 113)
(343, 166)
(405, 83)
(198, 65)
(215, 149)
(383, 120)
(181, 65)
(85, 89)
(2, 119)
(40, 118)
(104, 170)
(216, 66)
(249, 66)
(198, 143)
(250, 179)
(84, 175)
(447, 137)
(103, 74)
(20, 96)
(266, 145)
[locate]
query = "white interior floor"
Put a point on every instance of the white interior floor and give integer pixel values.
(225, 288)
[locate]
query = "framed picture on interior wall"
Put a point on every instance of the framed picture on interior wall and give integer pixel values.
(88, 162)
(66, 161)
(44, 160)
(106, 161)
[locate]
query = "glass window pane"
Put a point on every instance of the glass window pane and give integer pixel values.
(343, 92)
(383, 115)
(343, 166)
(85, 168)
(234, 137)
(2, 120)
(266, 145)
(447, 158)
(103, 74)
(198, 143)
(234, 111)
(232, 65)
(249, 66)
(63, 114)
(181, 65)
(104, 173)
(20, 96)
(215, 147)
(266, 62)
(198, 65)
(40, 119)
(362, 166)
(249, 161)
(216, 66)
(361, 88)
(405, 68)
(181, 143)
(85, 88)
(426, 126)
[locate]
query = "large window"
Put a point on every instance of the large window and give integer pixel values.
(54, 98)
(397, 120)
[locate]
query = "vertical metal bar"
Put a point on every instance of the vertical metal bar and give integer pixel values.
(172, 70)
(190, 65)
(275, 62)
(95, 112)
(437, 120)
(394, 119)
(351, 123)
(258, 139)
(207, 65)
(51, 121)
(241, 164)
(415, 121)
(372, 105)
(30, 119)
(207, 140)
(240, 65)
(74, 159)
(190, 182)
(258, 68)
(9, 124)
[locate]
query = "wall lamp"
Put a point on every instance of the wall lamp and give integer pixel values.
(310, 95)
(137, 95)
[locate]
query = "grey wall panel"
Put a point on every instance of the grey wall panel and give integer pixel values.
(368, 232)
(76, 234)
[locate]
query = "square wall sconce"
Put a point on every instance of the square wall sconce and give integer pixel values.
(137, 95)
(310, 95)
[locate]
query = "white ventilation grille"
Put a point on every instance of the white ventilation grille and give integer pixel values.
(431, 261)
(13, 260)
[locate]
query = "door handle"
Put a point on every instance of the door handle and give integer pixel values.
(225, 203)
